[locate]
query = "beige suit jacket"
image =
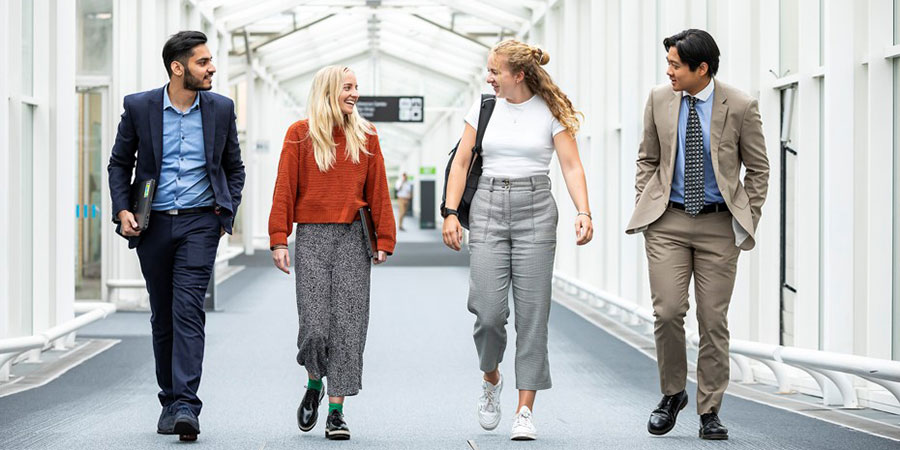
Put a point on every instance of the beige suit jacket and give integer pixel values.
(735, 139)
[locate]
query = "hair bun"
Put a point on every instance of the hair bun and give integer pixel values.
(540, 55)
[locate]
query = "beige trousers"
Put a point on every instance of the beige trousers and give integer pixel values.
(404, 206)
(680, 246)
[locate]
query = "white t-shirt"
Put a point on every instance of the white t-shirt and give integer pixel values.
(403, 189)
(518, 141)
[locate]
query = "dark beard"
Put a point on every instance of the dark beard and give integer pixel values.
(192, 83)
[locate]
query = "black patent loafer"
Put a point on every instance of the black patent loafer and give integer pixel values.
(308, 412)
(335, 427)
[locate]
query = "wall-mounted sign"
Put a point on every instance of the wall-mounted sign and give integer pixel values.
(392, 109)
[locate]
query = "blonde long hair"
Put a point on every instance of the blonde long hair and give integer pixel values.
(529, 59)
(324, 110)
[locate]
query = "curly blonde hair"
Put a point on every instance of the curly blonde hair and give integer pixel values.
(529, 59)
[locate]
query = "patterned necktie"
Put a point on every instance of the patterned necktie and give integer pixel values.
(693, 162)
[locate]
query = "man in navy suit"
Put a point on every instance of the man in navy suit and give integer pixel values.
(184, 138)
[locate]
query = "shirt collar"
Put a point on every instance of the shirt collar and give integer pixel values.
(705, 93)
(167, 103)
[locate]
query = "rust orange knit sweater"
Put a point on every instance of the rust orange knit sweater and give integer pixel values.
(303, 194)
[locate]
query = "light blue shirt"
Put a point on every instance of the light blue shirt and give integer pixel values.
(704, 112)
(183, 181)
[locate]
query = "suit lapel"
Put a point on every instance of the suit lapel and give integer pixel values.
(208, 112)
(156, 126)
(717, 124)
(674, 112)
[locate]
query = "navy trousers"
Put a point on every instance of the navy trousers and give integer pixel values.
(177, 254)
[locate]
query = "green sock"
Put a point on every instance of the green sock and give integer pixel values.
(314, 384)
(336, 406)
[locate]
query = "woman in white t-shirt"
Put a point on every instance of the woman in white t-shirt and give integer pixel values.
(513, 220)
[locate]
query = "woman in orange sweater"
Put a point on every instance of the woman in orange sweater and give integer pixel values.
(331, 165)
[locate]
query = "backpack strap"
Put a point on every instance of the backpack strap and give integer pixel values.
(487, 108)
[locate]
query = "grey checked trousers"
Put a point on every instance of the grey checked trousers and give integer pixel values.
(332, 269)
(513, 240)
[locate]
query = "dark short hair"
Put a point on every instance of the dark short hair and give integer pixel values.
(180, 47)
(695, 47)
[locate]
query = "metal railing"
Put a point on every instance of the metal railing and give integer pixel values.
(11, 348)
(824, 367)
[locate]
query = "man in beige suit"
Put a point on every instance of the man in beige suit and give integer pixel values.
(696, 216)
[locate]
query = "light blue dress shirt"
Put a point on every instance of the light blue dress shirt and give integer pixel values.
(703, 106)
(183, 181)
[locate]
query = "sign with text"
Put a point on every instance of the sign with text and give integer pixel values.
(392, 109)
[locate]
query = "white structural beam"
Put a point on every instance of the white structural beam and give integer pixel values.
(260, 11)
(465, 65)
(413, 62)
(486, 12)
(351, 54)
(435, 39)
(302, 54)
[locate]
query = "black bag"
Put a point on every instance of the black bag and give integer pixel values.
(487, 108)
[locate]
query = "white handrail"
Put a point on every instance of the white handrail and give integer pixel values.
(11, 348)
(821, 365)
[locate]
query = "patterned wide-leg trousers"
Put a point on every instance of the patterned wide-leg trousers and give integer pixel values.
(332, 270)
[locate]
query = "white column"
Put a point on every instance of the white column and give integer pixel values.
(120, 263)
(151, 70)
(13, 170)
(741, 311)
(249, 158)
(838, 220)
(764, 260)
(806, 313)
(63, 159)
(5, 185)
(880, 184)
(629, 263)
(42, 278)
(609, 58)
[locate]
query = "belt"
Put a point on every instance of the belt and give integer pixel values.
(709, 208)
(181, 212)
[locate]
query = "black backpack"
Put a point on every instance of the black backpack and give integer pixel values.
(487, 108)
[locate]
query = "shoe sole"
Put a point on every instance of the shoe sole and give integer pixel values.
(186, 431)
(523, 437)
(315, 418)
(165, 432)
(490, 426)
(714, 437)
(337, 435)
(674, 420)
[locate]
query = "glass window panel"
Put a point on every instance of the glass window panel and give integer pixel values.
(94, 37)
(787, 41)
(27, 47)
(88, 216)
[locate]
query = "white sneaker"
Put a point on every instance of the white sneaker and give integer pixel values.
(489, 404)
(523, 427)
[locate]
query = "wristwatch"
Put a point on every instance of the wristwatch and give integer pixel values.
(448, 211)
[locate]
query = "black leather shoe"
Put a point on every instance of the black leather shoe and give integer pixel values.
(308, 412)
(712, 428)
(187, 425)
(335, 427)
(166, 424)
(662, 419)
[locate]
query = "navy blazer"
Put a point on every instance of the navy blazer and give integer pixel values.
(137, 152)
